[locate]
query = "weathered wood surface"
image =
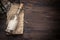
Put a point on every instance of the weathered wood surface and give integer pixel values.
(42, 22)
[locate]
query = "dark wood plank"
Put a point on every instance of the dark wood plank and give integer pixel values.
(41, 21)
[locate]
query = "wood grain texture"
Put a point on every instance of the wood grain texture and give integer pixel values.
(42, 21)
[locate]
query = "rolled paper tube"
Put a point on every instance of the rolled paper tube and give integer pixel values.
(19, 9)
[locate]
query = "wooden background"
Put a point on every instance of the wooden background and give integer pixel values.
(42, 21)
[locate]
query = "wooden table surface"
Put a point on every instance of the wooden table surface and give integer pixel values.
(41, 22)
